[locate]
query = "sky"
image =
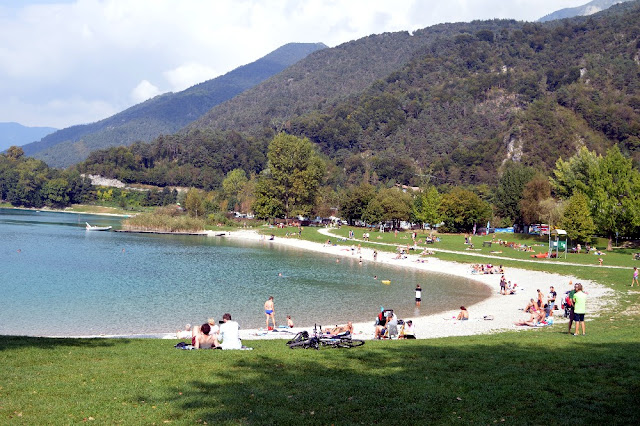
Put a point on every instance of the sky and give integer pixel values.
(72, 62)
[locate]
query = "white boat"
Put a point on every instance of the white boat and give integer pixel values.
(97, 228)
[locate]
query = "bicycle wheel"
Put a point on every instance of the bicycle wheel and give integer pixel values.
(329, 342)
(349, 343)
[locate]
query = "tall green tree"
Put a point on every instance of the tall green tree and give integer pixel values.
(535, 192)
(293, 176)
(193, 203)
(575, 174)
(615, 195)
(508, 194)
(396, 205)
(611, 185)
(426, 206)
(577, 220)
(56, 192)
(354, 201)
(461, 209)
(267, 203)
(233, 186)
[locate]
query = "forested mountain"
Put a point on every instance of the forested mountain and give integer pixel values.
(164, 114)
(15, 134)
(590, 8)
(453, 101)
(329, 76)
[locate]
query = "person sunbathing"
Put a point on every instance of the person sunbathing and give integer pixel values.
(347, 328)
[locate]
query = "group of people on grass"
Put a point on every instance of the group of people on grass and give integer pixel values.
(213, 336)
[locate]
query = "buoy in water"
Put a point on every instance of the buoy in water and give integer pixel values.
(387, 282)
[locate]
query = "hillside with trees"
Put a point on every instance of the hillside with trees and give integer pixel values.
(164, 114)
(468, 100)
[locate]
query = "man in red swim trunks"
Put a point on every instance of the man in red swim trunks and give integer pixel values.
(269, 311)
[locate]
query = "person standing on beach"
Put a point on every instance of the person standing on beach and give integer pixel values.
(269, 311)
(418, 295)
(569, 302)
(579, 309)
(635, 276)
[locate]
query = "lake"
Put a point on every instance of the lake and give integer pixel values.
(60, 280)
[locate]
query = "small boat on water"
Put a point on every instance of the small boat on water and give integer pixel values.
(97, 228)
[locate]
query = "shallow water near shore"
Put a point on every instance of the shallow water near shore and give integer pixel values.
(61, 280)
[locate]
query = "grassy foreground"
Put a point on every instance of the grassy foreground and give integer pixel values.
(540, 376)
(544, 376)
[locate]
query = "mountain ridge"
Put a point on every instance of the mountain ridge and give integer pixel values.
(12, 133)
(163, 114)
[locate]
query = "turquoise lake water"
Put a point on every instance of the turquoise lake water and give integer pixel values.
(60, 280)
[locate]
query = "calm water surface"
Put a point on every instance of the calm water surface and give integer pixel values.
(60, 280)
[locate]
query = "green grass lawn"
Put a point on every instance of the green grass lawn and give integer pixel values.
(542, 376)
(535, 377)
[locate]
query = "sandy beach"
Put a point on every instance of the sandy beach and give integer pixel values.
(504, 310)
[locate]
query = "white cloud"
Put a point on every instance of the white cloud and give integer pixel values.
(188, 75)
(143, 91)
(101, 49)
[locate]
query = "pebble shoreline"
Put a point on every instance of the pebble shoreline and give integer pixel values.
(505, 310)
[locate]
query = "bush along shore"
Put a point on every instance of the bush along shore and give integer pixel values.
(163, 222)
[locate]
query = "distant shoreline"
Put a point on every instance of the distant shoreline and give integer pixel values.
(50, 210)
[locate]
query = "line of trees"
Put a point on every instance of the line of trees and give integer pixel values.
(27, 182)
(587, 194)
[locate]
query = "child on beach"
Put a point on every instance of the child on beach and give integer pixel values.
(289, 321)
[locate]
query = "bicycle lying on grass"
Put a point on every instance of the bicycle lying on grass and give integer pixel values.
(318, 339)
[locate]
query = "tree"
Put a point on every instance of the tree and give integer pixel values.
(15, 152)
(354, 202)
(615, 195)
(267, 203)
(535, 191)
(193, 203)
(233, 184)
(461, 209)
(508, 194)
(56, 192)
(577, 220)
(576, 174)
(292, 178)
(611, 185)
(426, 207)
(396, 205)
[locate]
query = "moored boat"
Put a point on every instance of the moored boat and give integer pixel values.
(97, 228)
